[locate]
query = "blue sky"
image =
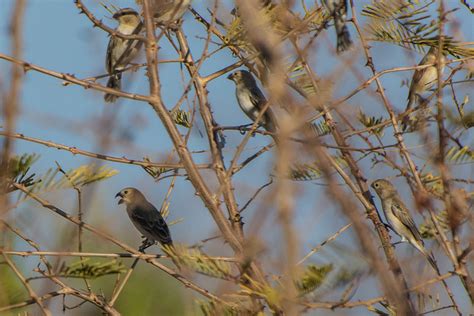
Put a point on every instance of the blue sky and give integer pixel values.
(58, 38)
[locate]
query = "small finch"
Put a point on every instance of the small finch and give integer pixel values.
(424, 79)
(120, 52)
(399, 217)
(251, 100)
(146, 218)
(338, 10)
(168, 11)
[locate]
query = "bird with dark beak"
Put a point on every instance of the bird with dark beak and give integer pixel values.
(399, 217)
(120, 51)
(145, 217)
(251, 100)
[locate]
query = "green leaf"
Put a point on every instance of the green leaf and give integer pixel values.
(18, 168)
(371, 121)
(460, 155)
(313, 277)
(321, 128)
(428, 230)
(90, 270)
(79, 177)
(182, 118)
(155, 172)
(310, 172)
(211, 308)
(300, 78)
(199, 262)
(304, 172)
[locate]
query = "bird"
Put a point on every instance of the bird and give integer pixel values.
(168, 11)
(120, 52)
(145, 217)
(424, 79)
(338, 10)
(251, 100)
(399, 217)
(262, 4)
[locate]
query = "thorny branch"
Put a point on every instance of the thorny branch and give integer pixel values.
(271, 43)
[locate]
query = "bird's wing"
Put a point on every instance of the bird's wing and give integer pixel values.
(108, 57)
(152, 222)
(257, 97)
(400, 211)
(258, 100)
(131, 49)
(417, 76)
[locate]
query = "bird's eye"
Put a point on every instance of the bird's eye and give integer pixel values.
(125, 192)
(376, 185)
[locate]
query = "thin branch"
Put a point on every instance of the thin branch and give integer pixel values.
(100, 233)
(76, 151)
(30, 290)
(328, 240)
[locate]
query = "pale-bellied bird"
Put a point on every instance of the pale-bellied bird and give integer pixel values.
(168, 11)
(338, 10)
(251, 100)
(399, 217)
(121, 52)
(424, 79)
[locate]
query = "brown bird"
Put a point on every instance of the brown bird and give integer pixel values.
(399, 217)
(424, 79)
(338, 10)
(120, 52)
(251, 100)
(166, 12)
(146, 218)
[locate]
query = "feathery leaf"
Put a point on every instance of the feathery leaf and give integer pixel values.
(309, 172)
(428, 230)
(370, 121)
(90, 270)
(199, 262)
(460, 155)
(181, 117)
(313, 277)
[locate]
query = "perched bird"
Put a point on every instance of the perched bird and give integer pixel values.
(146, 218)
(251, 99)
(338, 10)
(424, 79)
(120, 52)
(399, 217)
(262, 4)
(168, 11)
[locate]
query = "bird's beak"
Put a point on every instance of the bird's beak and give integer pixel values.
(230, 77)
(121, 196)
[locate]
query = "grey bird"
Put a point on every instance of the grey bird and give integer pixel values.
(399, 217)
(121, 52)
(424, 79)
(338, 11)
(251, 100)
(262, 4)
(146, 218)
(168, 11)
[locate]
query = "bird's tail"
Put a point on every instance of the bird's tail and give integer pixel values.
(406, 119)
(113, 83)
(428, 255)
(344, 41)
(410, 101)
(270, 125)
